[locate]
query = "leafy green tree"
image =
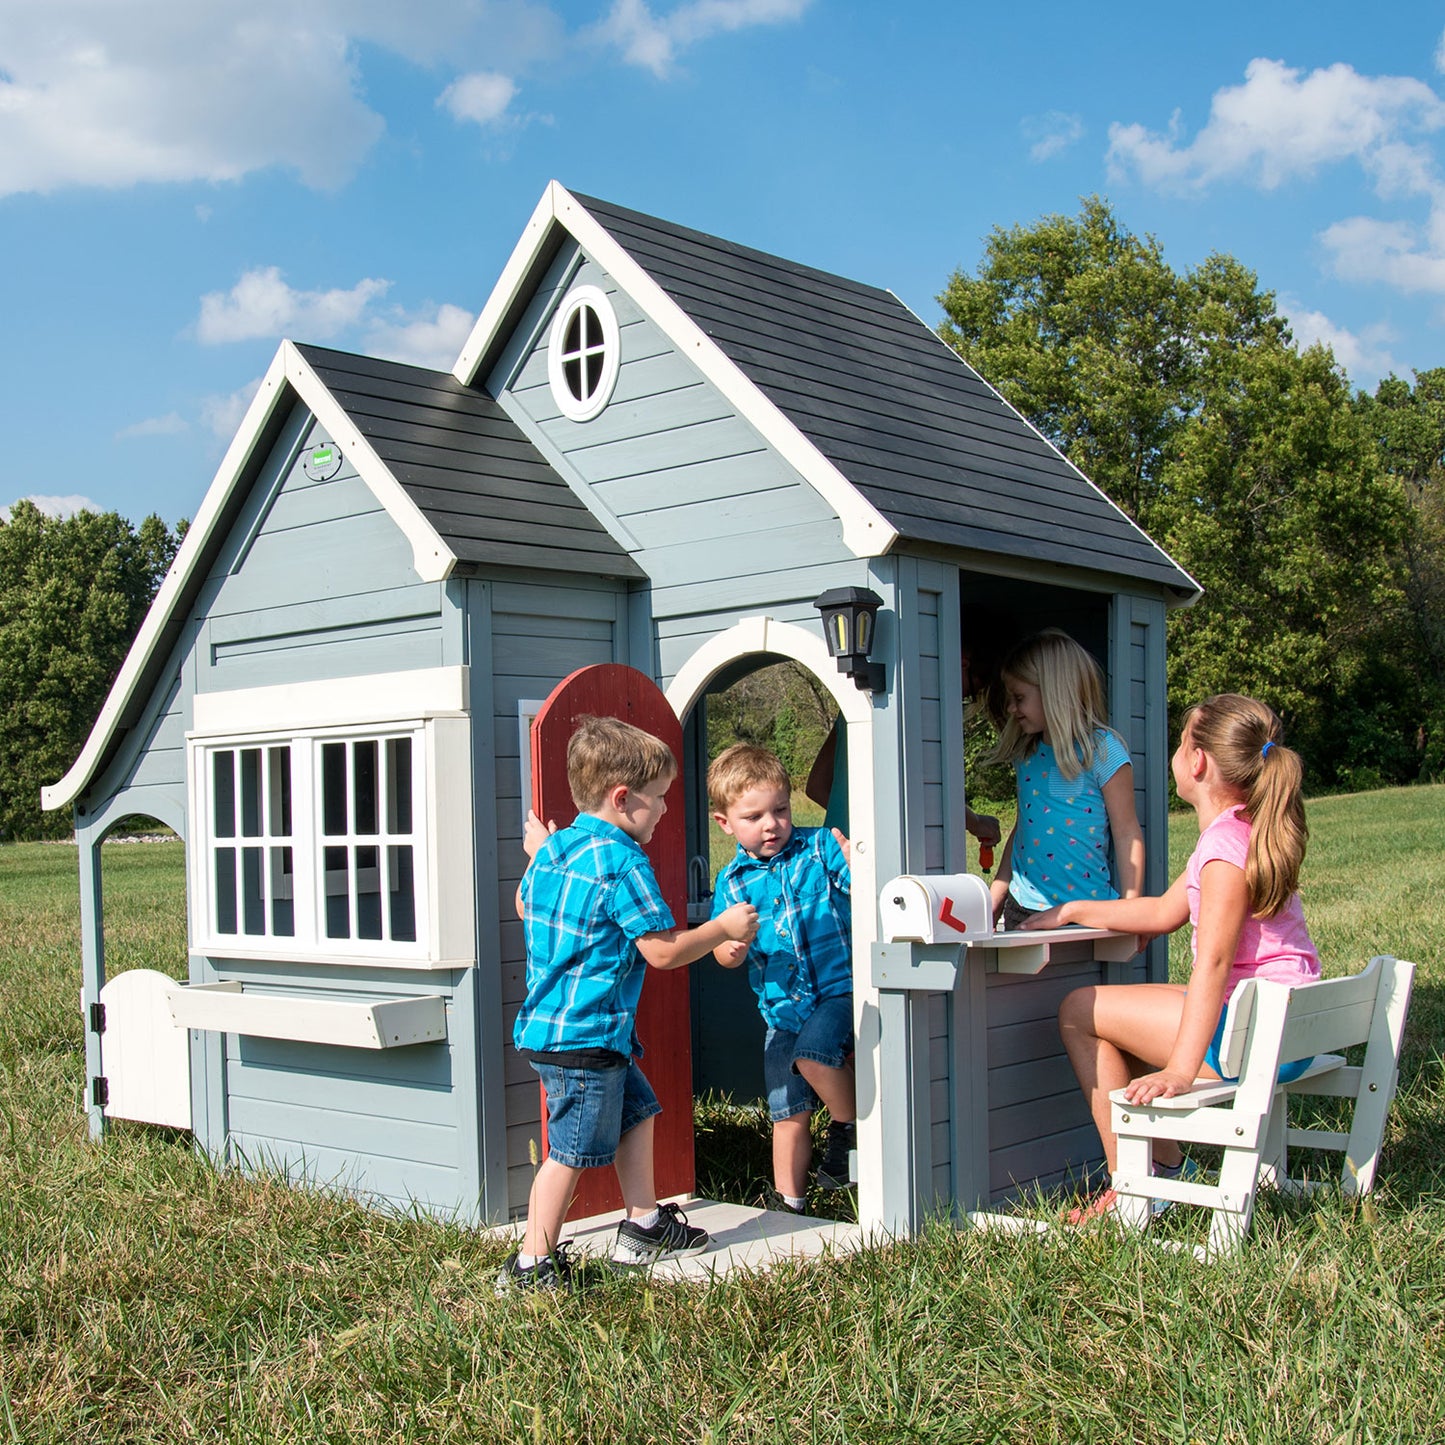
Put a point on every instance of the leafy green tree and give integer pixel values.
(73, 593)
(1184, 398)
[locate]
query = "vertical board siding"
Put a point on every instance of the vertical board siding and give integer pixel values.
(540, 632)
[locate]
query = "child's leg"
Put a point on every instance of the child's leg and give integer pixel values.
(547, 1206)
(636, 1173)
(836, 1087)
(1113, 1032)
(792, 1154)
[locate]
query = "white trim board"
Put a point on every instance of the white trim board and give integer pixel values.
(866, 532)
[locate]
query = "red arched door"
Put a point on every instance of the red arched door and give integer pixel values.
(663, 1017)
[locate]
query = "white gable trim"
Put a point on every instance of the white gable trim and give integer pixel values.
(288, 371)
(866, 532)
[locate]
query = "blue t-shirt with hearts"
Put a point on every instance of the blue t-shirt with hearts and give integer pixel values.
(1061, 846)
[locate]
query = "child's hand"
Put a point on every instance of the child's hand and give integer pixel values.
(845, 845)
(731, 953)
(740, 922)
(534, 833)
(1163, 1084)
(1049, 918)
(997, 892)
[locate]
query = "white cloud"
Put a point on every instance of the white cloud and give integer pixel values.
(59, 507)
(221, 415)
(261, 304)
(1365, 355)
(155, 426)
(653, 41)
(1280, 124)
(1440, 55)
(1051, 133)
(433, 340)
(482, 97)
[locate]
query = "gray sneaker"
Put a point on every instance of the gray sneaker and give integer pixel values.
(672, 1237)
(555, 1271)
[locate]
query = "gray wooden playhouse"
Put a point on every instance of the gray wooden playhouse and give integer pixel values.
(657, 448)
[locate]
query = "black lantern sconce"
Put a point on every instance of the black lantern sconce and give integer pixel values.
(848, 616)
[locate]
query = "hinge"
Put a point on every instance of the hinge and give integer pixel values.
(100, 1091)
(97, 1017)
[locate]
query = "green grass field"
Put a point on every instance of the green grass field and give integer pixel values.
(148, 1296)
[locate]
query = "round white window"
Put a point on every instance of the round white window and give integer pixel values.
(583, 353)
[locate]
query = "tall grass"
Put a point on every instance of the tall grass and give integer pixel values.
(147, 1296)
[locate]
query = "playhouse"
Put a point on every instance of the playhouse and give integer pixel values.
(656, 450)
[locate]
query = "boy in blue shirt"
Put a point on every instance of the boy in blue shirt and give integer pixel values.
(594, 920)
(800, 964)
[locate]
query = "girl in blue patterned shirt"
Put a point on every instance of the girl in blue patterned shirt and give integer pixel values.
(1075, 784)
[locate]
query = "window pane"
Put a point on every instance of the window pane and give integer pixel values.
(251, 792)
(279, 763)
(363, 783)
(333, 791)
(398, 785)
(368, 893)
(572, 334)
(595, 361)
(572, 375)
(283, 894)
(224, 794)
(402, 881)
(338, 897)
(253, 905)
(225, 890)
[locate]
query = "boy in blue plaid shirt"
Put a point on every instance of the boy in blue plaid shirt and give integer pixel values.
(800, 964)
(595, 920)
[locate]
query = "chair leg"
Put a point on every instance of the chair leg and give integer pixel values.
(1233, 1214)
(1131, 1181)
(1274, 1152)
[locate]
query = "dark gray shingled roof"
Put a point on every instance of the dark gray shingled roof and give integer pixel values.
(910, 424)
(486, 490)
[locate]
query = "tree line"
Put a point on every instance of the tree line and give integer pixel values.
(1312, 515)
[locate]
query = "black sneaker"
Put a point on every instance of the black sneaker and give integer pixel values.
(553, 1271)
(776, 1202)
(671, 1237)
(834, 1170)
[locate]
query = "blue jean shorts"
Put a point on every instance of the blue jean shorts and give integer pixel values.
(589, 1110)
(825, 1038)
(1287, 1072)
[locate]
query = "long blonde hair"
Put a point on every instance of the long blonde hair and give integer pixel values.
(1245, 739)
(1071, 689)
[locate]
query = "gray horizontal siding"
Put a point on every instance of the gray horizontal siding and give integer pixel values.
(481, 485)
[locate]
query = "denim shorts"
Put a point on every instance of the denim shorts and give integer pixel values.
(589, 1110)
(1287, 1072)
(825, 1038)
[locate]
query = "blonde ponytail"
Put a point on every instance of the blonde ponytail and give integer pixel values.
(1244, 737)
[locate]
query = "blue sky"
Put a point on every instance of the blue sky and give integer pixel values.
(184, 184)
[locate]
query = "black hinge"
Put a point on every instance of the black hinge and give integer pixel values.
(97, 1017)
(100, 1092)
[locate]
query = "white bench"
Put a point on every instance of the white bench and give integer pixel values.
(1268, 1024)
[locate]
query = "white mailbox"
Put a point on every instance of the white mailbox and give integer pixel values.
(943, 908)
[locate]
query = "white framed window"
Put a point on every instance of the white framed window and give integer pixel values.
(329, 841)
(583, 353)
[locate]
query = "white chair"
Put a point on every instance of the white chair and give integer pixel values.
(1268, 1024)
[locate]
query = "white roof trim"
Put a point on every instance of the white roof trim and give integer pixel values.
(1087, 481)
(430, 556)
(866, 532)
(432, 560)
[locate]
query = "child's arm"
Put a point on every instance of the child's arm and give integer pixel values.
(534, 833)
(1223, 907)
(673, 947)
(1149, 916)
(1124, 828)
(998, 889)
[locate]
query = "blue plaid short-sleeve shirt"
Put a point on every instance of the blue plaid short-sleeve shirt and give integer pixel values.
(803, 952)
(589, 894)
